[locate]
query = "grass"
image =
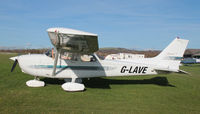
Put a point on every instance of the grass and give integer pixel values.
(168, 93)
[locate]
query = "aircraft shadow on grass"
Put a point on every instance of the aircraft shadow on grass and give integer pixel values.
(103, 83)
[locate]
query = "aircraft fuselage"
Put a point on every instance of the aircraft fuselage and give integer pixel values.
(42, 65)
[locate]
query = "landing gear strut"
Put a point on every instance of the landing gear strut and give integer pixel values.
(35, 83)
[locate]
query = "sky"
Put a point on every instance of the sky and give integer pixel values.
(132, 24)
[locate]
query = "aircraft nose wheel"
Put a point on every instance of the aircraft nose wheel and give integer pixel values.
(35, 83)
(73, 86)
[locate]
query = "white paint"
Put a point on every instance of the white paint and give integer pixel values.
(14, 58)
(72, 87)
(70, 31)
(42, 66)
(198, 60)
(35, 83)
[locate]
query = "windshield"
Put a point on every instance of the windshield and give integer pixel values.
(50, 53)
(100, 57)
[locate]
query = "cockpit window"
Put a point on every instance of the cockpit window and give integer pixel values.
(72, 56)
(47, 53)
(78, 57)
(50, 53)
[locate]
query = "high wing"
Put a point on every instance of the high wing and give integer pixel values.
(74, 41)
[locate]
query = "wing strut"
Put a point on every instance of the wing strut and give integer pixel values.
(55, 62)
(58, 51)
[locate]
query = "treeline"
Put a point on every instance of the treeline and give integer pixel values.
(36, 51)
(102, 51)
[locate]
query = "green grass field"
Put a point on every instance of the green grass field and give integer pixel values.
(167, 93)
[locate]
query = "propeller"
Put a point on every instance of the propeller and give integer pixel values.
(14, 65)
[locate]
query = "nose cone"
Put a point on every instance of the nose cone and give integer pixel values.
(14, 58)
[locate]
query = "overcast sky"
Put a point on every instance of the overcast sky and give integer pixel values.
(135, 24)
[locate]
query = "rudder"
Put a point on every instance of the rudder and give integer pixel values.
(174, 50)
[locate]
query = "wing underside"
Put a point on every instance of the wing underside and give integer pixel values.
(74, 41)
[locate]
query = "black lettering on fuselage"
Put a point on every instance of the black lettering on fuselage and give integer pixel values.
(135, 70)
(140, 69)
(131, 69)
(145, 69)
(123, 69)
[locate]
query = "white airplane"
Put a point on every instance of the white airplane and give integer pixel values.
(69, 62)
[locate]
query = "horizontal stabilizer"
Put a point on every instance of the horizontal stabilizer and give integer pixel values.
(184, 72)
(165, 71)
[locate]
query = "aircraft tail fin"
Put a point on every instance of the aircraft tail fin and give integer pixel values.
(174, 51)
(171, 56)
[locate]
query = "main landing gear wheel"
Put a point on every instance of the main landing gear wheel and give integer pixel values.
(73, 86)
(35, 83)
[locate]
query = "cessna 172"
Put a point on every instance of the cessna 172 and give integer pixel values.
(75, 59)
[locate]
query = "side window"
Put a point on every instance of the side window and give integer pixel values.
(78, 57)
(88, 58)
(66, 56)
(50, 53)
(93, 59)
